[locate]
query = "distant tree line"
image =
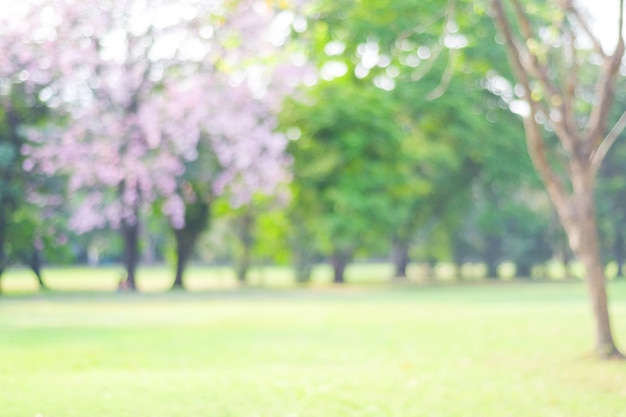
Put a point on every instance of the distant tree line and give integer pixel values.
(291, 133)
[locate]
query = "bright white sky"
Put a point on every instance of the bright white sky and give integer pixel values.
(603, 14)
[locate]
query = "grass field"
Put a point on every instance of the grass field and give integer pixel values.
(201, 277)
(508, 349)
(197, 278)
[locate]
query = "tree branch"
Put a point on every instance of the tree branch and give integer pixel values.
(571, 76)
(540, 71)
(429, 64)
(600, 153)
(604, 94)
(446, 77)
(534, 139)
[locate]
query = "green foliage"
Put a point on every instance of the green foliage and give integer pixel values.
(349, 163)
(7, 155)
(439, 59)
(29, 223)
(272, 229)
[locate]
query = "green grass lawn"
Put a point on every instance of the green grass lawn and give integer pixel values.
(508, 349)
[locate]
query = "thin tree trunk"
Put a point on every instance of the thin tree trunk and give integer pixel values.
(302, 251)
(431, 270)
(302, 262)
(400, 257)
(130, 234)
(3, 233)
(243, 265)
(491, 255)
(339, 261)
(523, 270)
(34, 261)
(618, 250)
(566, 258)
(184, 248)
(197, 219)
(246, 239)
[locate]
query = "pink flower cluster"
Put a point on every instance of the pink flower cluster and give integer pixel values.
(138, 86)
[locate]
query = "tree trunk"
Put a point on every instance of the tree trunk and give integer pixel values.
(579, 221)
(492, 270)
(302, 249)
(302, 262)
(618, 250)
(197, 218)
(339, 261)
(184, 247)
(493, 245)
(245, 225)
(34, 261)
(431, 270)
(400, 257)
(523, 270)
(3, 233)
(578, 217)
(130, 234)
(566, 256)
(244, 262)
(584, 150)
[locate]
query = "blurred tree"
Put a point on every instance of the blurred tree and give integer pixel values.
(238, 156)
(23, 217)
(438, 64)
(142, 84)
(544, 53)
(349, 167)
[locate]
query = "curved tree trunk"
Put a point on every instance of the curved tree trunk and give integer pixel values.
(34, 261)
(570, 183)
(400, 258)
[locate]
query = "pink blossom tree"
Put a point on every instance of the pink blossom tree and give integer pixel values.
(147, 88)
(238, 155)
